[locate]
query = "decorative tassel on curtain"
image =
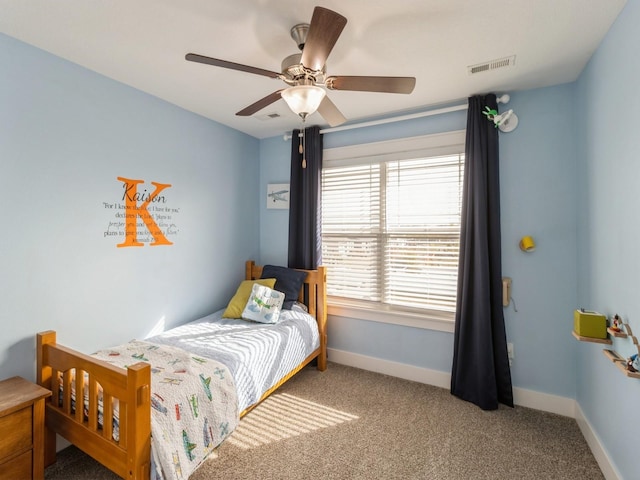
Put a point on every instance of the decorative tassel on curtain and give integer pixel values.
(481, 373)
(304, 200)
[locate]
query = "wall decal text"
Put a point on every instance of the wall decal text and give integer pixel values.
(142, 216)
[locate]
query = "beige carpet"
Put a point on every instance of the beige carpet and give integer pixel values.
(347, 423)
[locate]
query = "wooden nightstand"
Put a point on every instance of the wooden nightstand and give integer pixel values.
(21, 429)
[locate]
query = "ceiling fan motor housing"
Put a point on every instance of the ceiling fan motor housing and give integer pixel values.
(295, 73)
(292, 69)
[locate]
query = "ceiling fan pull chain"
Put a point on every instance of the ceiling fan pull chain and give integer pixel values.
(304, 145)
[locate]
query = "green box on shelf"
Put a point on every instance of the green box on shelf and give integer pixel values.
(589, 324)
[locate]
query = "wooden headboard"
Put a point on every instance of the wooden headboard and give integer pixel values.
(313, 295)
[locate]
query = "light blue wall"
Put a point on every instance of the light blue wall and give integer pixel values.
(607, 106)
(538, 198)
(275, 163)
(66, 134)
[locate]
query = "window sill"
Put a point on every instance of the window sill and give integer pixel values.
(443, 322)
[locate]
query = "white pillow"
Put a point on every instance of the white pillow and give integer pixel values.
(264, 304)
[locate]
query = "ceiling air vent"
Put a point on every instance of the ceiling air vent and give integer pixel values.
(492, 65)
(268, 116)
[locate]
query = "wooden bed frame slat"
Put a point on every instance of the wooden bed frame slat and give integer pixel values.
(79, 389)
(93, 404)
(107, 420)
(129, 457)
(66, 389)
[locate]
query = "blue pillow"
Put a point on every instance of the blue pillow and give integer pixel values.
(288, 281)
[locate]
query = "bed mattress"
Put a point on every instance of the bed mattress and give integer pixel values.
(257, 355)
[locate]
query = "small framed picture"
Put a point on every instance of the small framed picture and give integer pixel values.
(278, 195)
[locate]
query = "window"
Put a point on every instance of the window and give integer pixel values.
(391, 224)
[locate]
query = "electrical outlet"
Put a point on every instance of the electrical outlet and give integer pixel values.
(510, 352)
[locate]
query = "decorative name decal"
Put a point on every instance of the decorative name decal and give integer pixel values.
(146, 217)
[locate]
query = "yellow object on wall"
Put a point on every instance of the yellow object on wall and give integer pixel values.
(589, 324)
(527, 244)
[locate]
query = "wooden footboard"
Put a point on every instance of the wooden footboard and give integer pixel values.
(65, 371)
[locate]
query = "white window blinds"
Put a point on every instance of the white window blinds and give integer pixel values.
(391, 229)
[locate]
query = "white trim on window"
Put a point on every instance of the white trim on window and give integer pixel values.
(435, 145)
(427, 146)
(432, 320)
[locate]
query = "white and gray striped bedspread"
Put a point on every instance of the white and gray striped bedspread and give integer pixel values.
(257, 355)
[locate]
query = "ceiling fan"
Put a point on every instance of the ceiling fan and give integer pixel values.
(305, 72)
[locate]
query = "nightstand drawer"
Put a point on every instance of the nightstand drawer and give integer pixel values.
(17, 430)
(18, 468)
(21, 429)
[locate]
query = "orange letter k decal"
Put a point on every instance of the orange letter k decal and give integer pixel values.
(133, 211)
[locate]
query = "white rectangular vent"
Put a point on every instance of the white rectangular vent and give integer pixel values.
(492, 65)
(268, 116)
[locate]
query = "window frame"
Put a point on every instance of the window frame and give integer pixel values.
(439, 144)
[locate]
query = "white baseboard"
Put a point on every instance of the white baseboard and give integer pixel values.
(545, 402)
(523, 397)
(387, 367)
(608, 469)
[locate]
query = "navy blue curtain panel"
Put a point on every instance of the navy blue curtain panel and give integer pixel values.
(480, 372)
(305, 247)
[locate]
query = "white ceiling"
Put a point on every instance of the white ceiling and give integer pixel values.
(142, 43)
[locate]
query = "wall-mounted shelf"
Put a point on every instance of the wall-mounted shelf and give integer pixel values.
(616, 333)
(624, 370)
(613, 356)
(618, 360)
(606, 341)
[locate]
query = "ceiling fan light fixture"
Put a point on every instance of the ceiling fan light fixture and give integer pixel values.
(303, 100)
(305, 72)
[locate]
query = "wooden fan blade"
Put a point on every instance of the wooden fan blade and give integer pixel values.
(330, 112)
(372, 84)
(194, 57)
(260, 104)
(324, 30)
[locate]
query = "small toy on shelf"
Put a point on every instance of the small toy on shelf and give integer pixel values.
(616, 323)
(633, 363)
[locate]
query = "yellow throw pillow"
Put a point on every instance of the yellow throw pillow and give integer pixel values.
(240, 299)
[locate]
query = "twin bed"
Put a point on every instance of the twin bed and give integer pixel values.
(234, 363)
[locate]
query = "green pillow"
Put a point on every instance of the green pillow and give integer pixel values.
(240, 299)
